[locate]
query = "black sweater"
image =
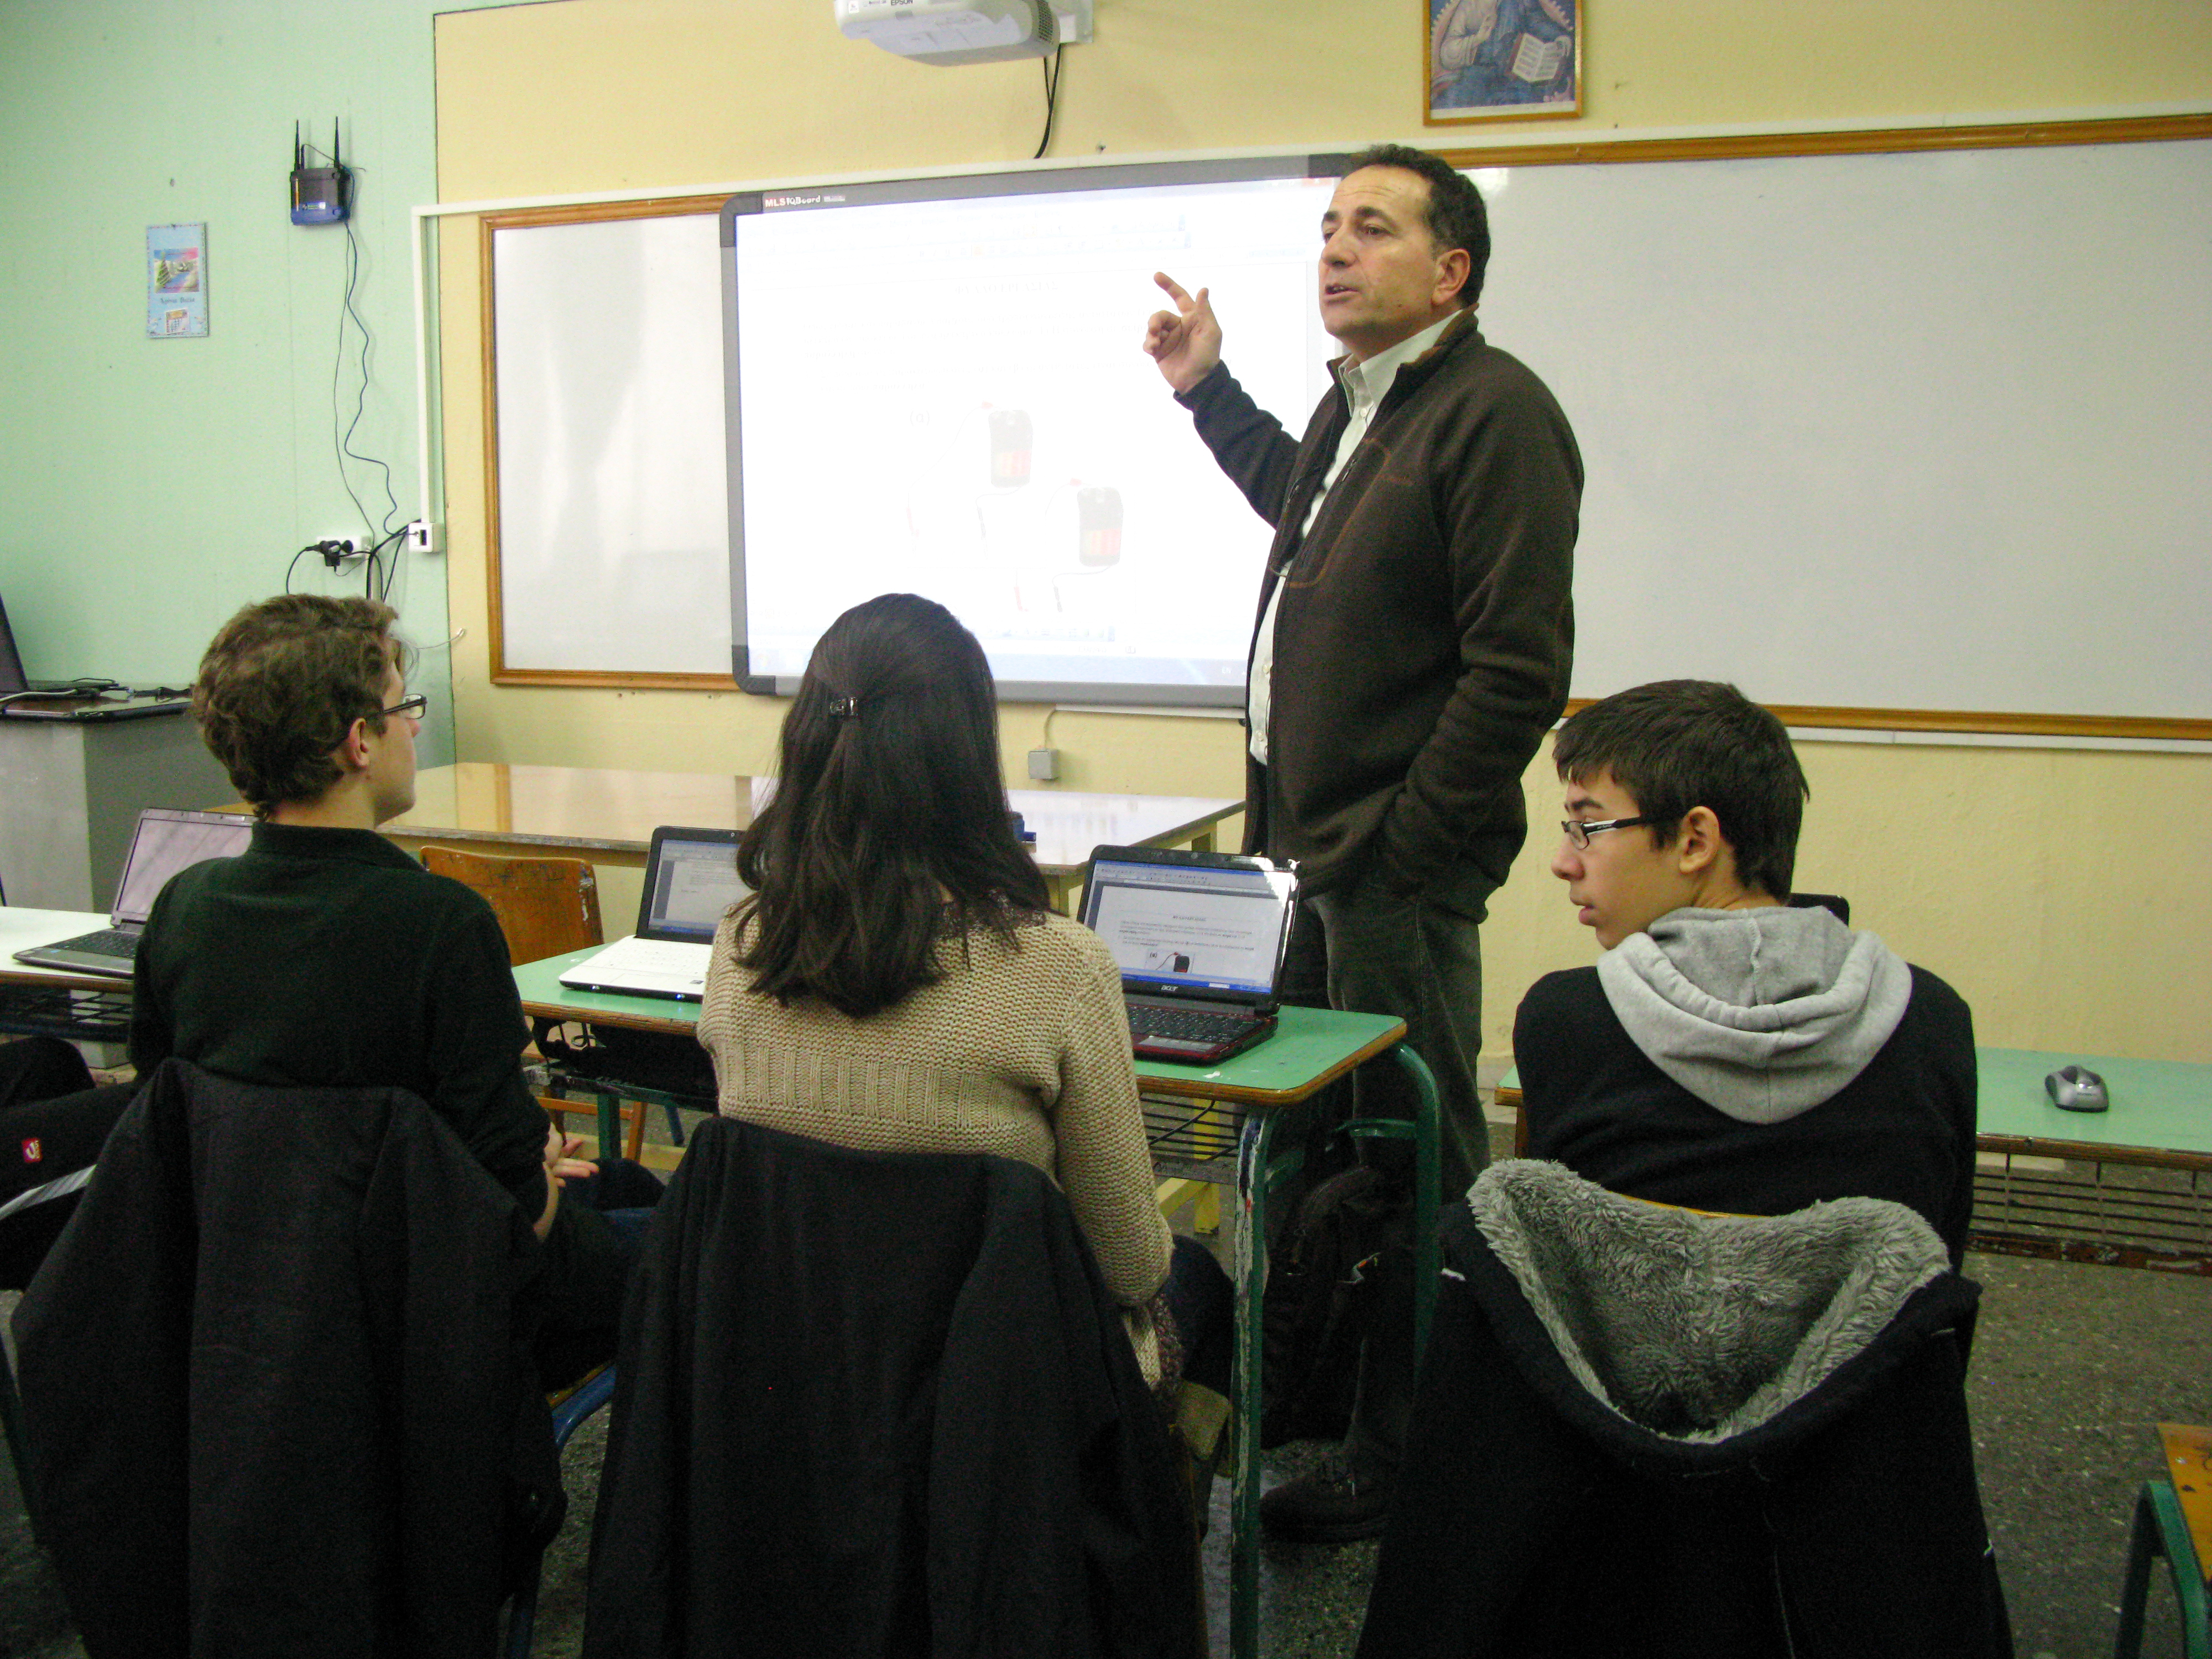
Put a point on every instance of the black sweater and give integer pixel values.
(1902, 1129)
(328, 958)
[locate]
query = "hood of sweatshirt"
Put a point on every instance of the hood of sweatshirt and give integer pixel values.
(1762, 1013)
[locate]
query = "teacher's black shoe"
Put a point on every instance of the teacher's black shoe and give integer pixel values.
(1331, 1504)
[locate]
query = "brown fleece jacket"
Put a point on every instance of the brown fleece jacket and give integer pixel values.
(1427, 626)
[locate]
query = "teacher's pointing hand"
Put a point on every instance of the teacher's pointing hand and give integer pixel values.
(1185, 342)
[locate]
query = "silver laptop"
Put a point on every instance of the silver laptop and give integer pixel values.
(691, 880)
(1200, 938)
(167, 841)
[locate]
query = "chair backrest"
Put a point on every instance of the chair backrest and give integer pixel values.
(1834, 902)
(874, 1403)
(1630, 1417)
(278, 1314)
(546, 907)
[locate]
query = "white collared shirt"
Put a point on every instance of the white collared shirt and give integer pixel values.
(1366, 385)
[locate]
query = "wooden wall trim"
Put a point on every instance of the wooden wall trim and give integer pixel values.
(2125, 727)
(609, 679)
(2119, 129)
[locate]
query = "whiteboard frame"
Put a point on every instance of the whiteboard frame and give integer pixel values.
(2126, 129)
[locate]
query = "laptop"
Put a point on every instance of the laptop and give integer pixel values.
(1200, 938)
(166, 841)
(690, 879)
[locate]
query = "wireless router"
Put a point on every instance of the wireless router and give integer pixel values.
(319, 195)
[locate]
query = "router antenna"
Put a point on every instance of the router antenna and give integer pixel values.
(299, 155)
(334, 143)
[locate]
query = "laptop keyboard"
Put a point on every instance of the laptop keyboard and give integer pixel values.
(1185, 1025)
(109, 944)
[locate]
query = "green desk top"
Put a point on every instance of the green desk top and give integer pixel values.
(1310, 1046)
(2164, 1105)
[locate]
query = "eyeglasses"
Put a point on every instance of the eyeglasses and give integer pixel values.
(414, 708)
(1580, 832)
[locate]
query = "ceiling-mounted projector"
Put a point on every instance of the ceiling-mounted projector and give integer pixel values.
(948, 32)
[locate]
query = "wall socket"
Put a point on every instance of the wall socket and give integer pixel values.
(422, 538)
(1044, 765)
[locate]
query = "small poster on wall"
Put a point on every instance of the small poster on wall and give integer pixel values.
(1502, 60)
(176, 282)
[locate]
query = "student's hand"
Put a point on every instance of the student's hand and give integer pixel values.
(560, 1160)
(1185, 342)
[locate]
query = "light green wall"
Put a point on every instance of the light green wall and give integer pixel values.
(148, 487)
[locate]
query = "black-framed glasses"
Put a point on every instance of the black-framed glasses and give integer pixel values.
(414, 708)
(1580, 832)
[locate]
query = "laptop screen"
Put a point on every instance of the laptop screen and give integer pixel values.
(167, 842)
(691, 879)
(1204, 927)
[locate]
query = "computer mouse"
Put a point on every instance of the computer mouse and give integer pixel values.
(2076, 1089)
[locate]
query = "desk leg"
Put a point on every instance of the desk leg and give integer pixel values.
(1251, 1258)
(1259, 1171)
(609, 1122)
(1428, 1179)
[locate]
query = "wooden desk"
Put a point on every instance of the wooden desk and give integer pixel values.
(77, 1007)
(609, 816)
(1246, 1099)
(2128, 1187)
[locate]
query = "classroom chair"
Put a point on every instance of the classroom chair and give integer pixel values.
(1645, 1430)
(546, 907)
(872, 1403)
(570, 1408)
(1835, 904)
(2172, 1520)
(284, 1315)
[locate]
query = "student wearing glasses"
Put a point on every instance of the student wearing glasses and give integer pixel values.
(325, 957)
(1729, 1051)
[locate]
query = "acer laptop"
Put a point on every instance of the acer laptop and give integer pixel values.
(690, 879)
(1200, 938)
(166, 841)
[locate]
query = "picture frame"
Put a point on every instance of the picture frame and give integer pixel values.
(1500, 60)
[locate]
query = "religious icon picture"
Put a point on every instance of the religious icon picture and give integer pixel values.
(1502, 60)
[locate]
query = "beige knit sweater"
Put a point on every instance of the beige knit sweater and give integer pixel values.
(1021, 1050)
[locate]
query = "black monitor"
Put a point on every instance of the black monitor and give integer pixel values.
(11, 664)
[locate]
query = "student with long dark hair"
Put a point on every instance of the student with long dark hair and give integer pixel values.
(897, 980)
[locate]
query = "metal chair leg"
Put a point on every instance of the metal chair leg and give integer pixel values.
(569, 1410)
(2161, 1529)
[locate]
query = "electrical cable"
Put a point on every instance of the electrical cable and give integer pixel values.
(344, 444)
(1051, 67)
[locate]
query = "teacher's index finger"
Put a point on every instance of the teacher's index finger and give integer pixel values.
(1175, 290)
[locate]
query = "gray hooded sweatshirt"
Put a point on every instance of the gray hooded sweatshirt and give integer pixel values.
(1761, 1013)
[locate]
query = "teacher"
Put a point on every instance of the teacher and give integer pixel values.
(1415, 633)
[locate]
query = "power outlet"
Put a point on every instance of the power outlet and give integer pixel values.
(1044, 765)
(422, 536)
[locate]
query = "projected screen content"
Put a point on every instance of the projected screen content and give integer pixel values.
(938, 386)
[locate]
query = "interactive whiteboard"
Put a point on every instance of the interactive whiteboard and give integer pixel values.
(1915, 438)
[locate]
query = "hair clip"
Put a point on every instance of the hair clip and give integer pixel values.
(845, 709)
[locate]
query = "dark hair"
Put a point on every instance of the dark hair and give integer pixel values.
(888, 831)
(1678, 743)
(283, 683)
(1455, 217)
